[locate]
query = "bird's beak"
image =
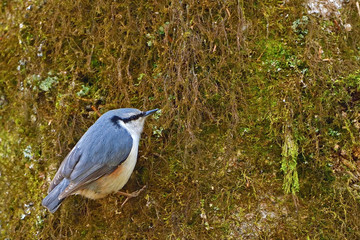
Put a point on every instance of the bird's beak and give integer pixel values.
(147, 113)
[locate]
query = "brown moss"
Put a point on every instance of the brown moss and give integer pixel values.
(229, 78)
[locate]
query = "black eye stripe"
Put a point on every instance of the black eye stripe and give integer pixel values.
(115, 119)
(134, 117)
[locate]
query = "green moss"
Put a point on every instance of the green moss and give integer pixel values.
(256, 98)
(290, 152)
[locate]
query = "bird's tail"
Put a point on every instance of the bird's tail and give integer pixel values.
(52, 201)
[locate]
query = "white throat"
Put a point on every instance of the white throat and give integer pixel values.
(134, 128)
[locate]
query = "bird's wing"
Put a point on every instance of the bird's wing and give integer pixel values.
(99, 152)
(70, 161)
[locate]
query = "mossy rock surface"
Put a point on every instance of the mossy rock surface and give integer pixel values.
(258, 136)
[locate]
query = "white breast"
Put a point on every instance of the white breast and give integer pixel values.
(128, 165)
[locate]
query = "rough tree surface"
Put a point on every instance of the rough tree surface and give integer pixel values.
(258, 135)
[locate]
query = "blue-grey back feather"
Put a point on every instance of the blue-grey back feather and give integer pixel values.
(52, 201)
(100, 151)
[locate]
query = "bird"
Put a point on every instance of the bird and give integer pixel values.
(102, 161)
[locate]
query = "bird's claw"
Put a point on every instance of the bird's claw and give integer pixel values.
(131, 195)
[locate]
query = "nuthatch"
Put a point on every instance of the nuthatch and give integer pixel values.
(102, 161)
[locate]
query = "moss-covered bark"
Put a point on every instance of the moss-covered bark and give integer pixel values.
(258, 99)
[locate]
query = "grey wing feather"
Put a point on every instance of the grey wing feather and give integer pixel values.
(66, 167)
(100, 150)
(96, 172)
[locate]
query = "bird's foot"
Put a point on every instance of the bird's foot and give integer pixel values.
(130, 195)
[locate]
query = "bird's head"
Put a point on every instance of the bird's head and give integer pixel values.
(131, 118)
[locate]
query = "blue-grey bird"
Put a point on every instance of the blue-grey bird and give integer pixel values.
(102, 161)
